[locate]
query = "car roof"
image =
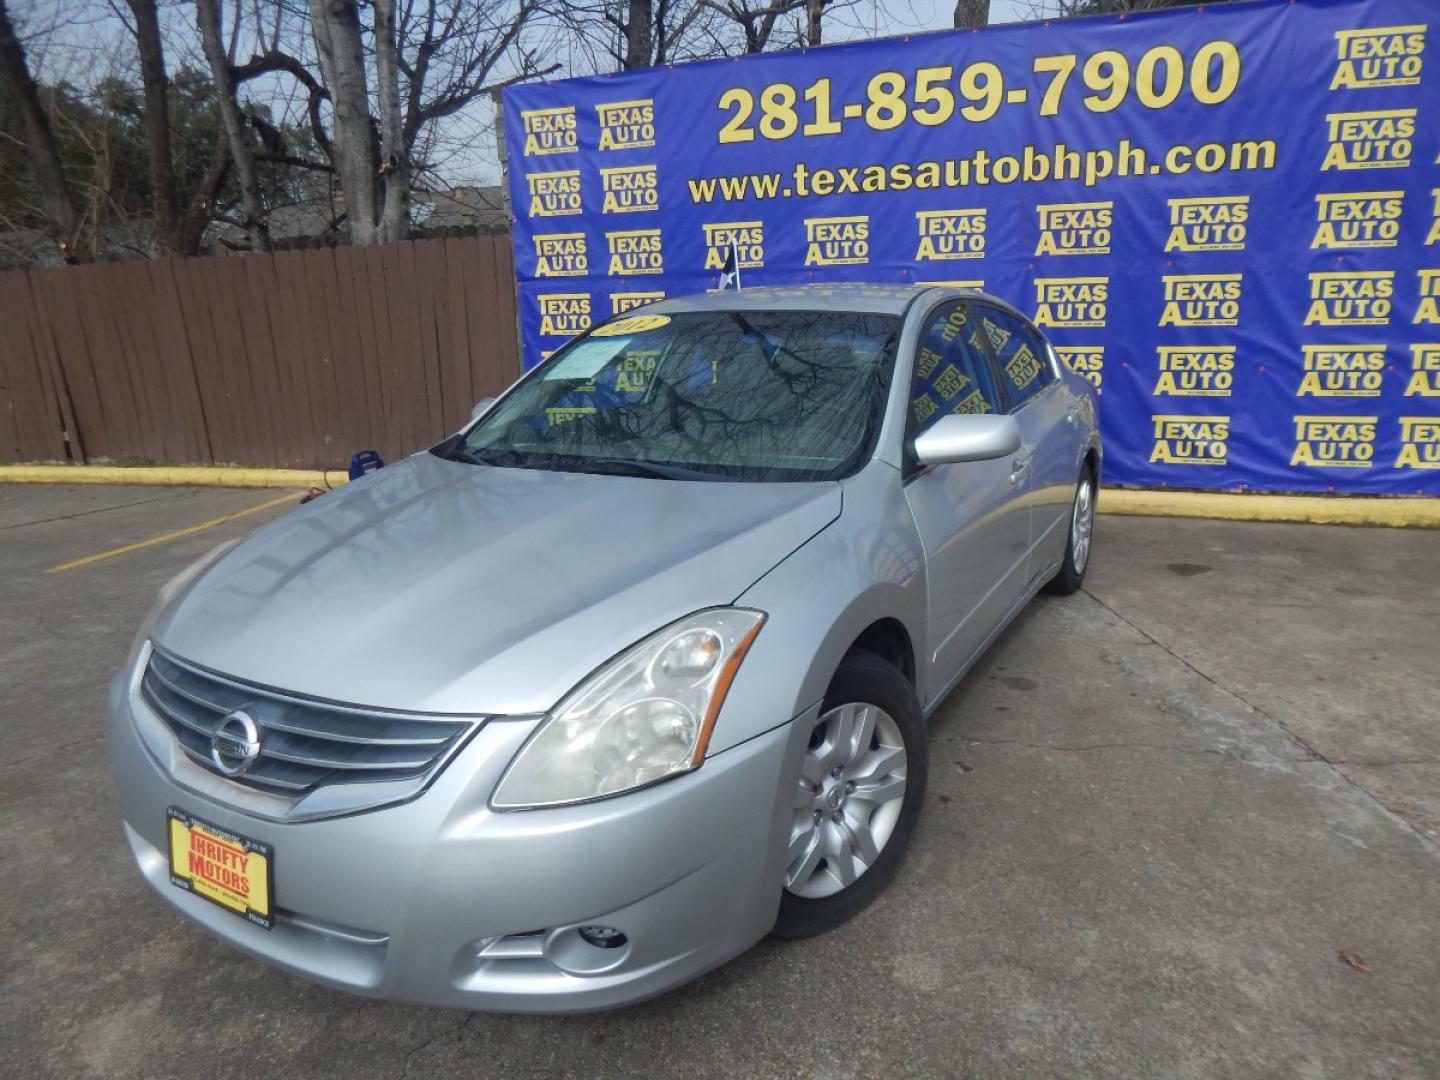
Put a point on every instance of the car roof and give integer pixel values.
(881, 298)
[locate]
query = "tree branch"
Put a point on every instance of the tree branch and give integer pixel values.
(273, 61)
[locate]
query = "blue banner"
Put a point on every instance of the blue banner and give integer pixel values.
(1227, 218)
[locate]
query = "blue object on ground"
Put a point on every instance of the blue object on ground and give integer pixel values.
(366, 461)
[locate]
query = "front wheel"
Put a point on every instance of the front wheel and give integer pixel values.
(857, 797)
(1077, 548)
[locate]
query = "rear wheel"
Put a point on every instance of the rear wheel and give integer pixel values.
(1077, 548)
(857, 797)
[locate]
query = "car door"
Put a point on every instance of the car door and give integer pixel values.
(1045, 410)
(971, 516)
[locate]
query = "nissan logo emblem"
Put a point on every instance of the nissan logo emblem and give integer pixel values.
(235, 744)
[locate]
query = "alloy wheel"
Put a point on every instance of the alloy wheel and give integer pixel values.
(1082, 523)
(847, 800)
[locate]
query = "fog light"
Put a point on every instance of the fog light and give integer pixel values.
(602, 937)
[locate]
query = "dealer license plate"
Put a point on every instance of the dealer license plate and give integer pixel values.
(229, 870)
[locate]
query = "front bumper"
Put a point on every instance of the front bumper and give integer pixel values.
(443, 901)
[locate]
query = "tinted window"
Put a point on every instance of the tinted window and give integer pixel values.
(951, 371)
(1022, 355)
(727, 395)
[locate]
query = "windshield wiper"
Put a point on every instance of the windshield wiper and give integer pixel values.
(653, 468)
(502, 457)
(516, 459)
(459, 453)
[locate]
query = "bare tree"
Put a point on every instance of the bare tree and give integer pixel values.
(384, 87)
(55, 197)
(767, 24)
(655, 32)
(639, 40)
(757, 20)
(245, 137)
(971, 13)
(336, 27)
(432, 58)
(273, 61)
(156, 81)
(222, 71)
(813, 10)
(394, 152)
(623, 35)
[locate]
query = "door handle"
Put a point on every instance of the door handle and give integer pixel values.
(1018, 468)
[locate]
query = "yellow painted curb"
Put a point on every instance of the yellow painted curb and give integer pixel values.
(1312, 509)
(198, 475)
(1398, 511)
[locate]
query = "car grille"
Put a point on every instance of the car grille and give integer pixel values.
(304, 744)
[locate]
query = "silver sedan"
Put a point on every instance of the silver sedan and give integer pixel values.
(627, 674)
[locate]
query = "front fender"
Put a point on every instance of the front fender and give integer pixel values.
(865, 566)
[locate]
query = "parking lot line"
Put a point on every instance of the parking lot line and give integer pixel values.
(167, 537)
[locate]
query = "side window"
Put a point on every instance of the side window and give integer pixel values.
(1024, 361)
(952, 374)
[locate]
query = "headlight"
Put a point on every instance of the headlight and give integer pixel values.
(644, 716)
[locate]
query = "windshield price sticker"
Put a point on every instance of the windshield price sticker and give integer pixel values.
(585, 359)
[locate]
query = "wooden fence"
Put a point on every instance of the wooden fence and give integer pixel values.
(296, 359)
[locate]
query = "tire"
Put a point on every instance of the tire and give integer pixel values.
(1082, 525)
(860, 802)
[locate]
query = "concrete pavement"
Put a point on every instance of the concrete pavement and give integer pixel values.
(1158, 813)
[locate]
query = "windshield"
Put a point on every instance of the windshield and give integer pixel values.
(716, 395)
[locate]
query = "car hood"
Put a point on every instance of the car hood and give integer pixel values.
(445, 587)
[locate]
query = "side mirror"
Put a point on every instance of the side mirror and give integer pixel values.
(968, 437)
(481, 407)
